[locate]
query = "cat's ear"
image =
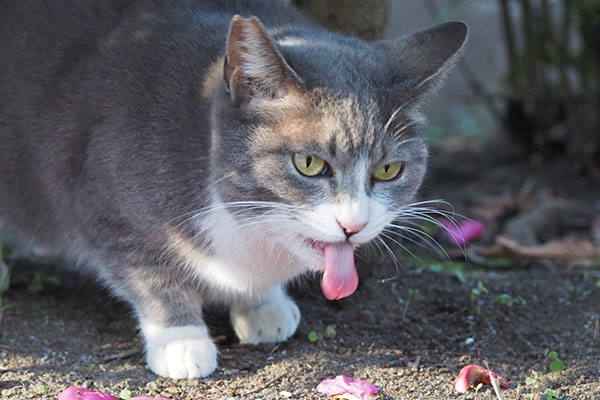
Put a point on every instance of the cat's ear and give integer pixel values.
(425, 56)
(254, 67)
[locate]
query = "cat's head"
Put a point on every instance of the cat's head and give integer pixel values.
(316, 136)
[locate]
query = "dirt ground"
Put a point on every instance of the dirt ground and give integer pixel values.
(408, 329)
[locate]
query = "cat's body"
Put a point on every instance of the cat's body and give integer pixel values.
(132, 146)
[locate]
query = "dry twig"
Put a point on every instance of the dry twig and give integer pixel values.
(494, 382)
(258, 389)
(120, 356)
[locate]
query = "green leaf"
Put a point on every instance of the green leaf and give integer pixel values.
(330, 330)
(551, 394)
(125, 394)
(553, 355)
(598, 283)
(40, 389)
(557, 365)
(458, 274)
(530, 381)
(228, 372)
(313, 336)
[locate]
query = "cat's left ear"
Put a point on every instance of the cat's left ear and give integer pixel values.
(254, 68)
(425, 56)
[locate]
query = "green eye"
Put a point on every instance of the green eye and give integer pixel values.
(388, 172)
(310, 165)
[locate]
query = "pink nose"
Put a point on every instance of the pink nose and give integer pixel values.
(351, 229)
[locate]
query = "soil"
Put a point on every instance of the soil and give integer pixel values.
(409, 329)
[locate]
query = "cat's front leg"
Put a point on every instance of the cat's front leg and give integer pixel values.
(272, 317)
(179, 352)
(177, 341)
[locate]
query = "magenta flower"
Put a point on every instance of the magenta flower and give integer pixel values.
(81, 393)
(464, 232)
(472, 374)
(349, 388)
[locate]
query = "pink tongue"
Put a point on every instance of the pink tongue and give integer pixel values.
(340, 278)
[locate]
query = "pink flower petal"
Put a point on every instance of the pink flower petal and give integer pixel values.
(472, 374)
(464, 232)
(81, 393)
(343, 385)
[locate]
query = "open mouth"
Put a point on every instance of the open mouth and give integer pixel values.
(340, 278)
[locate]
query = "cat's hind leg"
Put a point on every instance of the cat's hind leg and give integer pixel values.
(271, 318)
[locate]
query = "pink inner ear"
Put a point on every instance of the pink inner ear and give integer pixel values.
(253, 65)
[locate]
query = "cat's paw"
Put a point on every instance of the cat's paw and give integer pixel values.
(273, 321)
(180, 352)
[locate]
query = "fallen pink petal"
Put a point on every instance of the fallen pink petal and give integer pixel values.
(473, 374)
(344, 386)
(81, 393)
(464, 232)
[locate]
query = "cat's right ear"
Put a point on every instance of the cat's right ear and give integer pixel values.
(254, 69)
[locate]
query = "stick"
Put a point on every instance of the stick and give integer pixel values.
(120, 356)
(494, 382)
(258, 389)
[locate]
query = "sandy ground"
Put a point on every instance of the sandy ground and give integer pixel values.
(409, 329)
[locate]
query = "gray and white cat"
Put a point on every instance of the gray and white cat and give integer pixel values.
(186, 154)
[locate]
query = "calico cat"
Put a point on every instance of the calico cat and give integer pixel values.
(186, 154)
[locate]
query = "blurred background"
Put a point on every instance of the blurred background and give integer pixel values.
(528, 79)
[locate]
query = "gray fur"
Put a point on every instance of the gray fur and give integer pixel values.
(116, 123)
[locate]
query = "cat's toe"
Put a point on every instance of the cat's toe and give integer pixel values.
(180, 352)
(273, 321)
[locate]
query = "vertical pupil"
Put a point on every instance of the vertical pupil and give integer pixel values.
(308, 161)
(386, 168)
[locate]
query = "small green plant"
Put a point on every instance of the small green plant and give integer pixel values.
(227, 372)
(40, 389)
(507, 300)
(4, 278)
(556, 364)
(454, 268)
(551, 395)
(330, 331)
(8, 392)
(411, 294)
(126, 394)
(313, 336)
(529, 396)
(478, 387)
(476, 294)
(533, 379)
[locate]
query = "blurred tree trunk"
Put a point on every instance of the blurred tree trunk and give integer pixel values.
(363, 18)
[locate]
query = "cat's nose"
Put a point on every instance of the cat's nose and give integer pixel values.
(351, 229)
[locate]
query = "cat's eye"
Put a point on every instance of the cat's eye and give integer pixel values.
(310, 165)
(388, 172)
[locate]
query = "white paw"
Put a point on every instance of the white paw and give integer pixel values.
(179, 352)
(273, 321)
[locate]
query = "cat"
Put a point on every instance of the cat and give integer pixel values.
(197, 151)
